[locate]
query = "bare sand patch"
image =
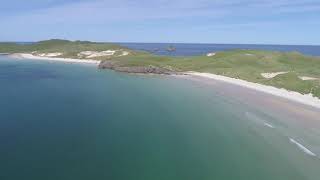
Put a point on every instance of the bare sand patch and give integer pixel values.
(93, 54)
(307, 78)
(211, 54)
(272, 75)
(249, 54)
(107, 53)
(50, 54)
(68, 60)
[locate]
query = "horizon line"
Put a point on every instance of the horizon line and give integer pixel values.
(135, 42)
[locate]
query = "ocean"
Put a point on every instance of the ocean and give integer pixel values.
(189, 49)
(73, 121)
(203, 49)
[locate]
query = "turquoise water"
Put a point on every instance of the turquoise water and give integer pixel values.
(70, 121)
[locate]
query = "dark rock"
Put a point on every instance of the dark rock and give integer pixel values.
(135, 69)
(171, 49)
(106, 65)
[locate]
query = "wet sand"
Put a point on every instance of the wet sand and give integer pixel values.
(299, 123)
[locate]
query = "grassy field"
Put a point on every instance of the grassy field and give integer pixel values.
(243, 64)
(70, 49)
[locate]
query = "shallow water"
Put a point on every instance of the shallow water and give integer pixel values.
(72, 121)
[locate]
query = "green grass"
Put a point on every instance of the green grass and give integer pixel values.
(70, 49)
(243, 64)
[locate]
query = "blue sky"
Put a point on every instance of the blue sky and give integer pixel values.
(194, 21)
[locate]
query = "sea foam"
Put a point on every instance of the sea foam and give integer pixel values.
(304, 149)
(258, 119)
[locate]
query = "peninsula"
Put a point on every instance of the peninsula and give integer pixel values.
(291, 71)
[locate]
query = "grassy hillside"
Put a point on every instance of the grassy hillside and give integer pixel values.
(69, 49)
(242, 64)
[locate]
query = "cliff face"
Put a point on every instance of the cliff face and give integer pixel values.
(135, 69)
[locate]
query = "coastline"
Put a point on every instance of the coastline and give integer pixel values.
(305, 99)
(68, 60)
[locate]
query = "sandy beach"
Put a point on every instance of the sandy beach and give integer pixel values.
(306, 99)
(68, 60)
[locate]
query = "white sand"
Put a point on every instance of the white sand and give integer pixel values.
(92, 54)
(211, 54)
(124, 53)
(306, 78)
(307, 99)
(69, 60)
(272, 75)
(50, 54)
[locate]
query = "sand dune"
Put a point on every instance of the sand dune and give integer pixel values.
(30, 56)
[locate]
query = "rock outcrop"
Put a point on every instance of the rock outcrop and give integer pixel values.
(135, 69)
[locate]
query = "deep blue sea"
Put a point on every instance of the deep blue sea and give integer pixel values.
(202, 49)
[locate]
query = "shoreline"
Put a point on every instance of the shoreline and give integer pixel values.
(68, 60)
(305, 99)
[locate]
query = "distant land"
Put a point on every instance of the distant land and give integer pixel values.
(292, 71)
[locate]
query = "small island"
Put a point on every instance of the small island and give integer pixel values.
(288, 70)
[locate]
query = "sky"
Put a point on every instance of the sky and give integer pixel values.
(180, 21)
